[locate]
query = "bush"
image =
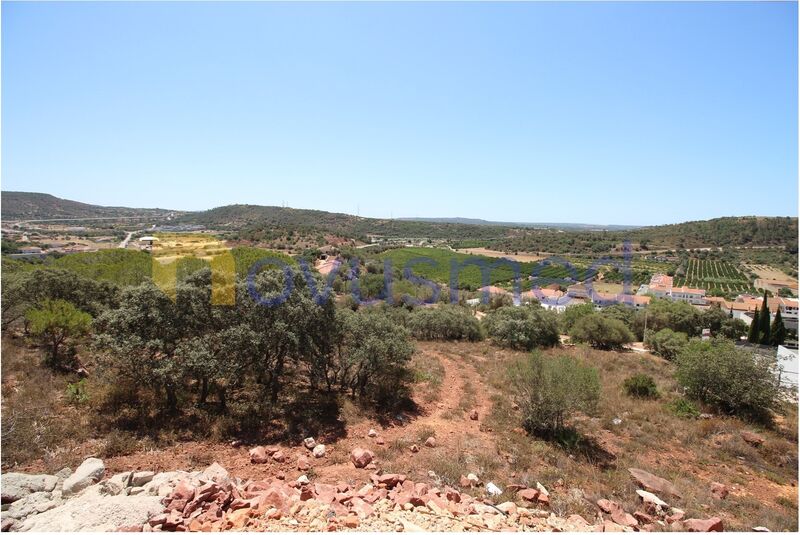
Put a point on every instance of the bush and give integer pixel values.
(684, 408)
(666, 343)
(572, 314)
(601, 332)
(733, 380)
(55, 323)
(447, 322)
(641, 386)
(523, 327)
(549, 389)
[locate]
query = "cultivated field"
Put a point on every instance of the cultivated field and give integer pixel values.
(714, 275)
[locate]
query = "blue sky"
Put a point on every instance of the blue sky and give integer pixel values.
(630, 113)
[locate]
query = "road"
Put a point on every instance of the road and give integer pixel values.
(124, 243)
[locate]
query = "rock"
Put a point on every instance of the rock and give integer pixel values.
(414, 448)
(32, 504)
(675, 516)
(88, 473)
(140, 479)
(529, 495)
(379, 441)
(643, 518)
(216, 472)
(473, 414)
(719, 491)
(653, 483)
(319, 451)
(508, 508)
(303, 463)
(493, 490)
(279, 456)
(608, 525)
(705, 416)
(258, 455)
(16, 485)
(710, 524)
(761, 529)
(303, 480)
(91, 511)
(649, 497)
(309, 443)
(372, 433)
(624, 519)
(361, 457)
(607, 506)
(473, 479)
(351, 521)
(430, 442)
(752, 438)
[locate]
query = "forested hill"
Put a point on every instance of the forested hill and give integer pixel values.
(22, 205)
(723, 231)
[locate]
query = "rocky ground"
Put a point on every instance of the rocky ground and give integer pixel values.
(214, 500)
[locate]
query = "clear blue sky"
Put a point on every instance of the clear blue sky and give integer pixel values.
(632, 113)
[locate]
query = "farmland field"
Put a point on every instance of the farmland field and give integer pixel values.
(713, 275)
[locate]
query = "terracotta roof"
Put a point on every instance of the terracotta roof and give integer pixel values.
(687, 290)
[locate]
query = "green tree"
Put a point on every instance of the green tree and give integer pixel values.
(447, 322)
(523, 327)
(55, 322)
(778, 330)
(573, 313)
(733, 329)
(734, 380)
(667, 343)
(752, 333)
(764, 336)
(549, 389)
(601, 332)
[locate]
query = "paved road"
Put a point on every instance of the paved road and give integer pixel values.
(124, 243)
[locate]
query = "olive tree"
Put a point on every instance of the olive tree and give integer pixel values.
(524, 327)
(601, 332)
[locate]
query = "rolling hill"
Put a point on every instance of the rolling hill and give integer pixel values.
(22, 205)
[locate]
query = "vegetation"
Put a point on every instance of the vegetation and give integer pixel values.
(448, 322)
(523, 327)
(56, 322)
(641, 386)
(733, 380)
(666, 343)
(601, 332)
(549, 390)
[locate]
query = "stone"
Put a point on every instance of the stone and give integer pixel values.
(140, 479)
(351, 521)
(752, 438)
(303, 464)
(430, 442)
(32, 504)
(88, 473)
(607, 506)
(493, 490)
(309, 443)
(279, 456)
(473, 414)
(624, 519)
(258, 455)
(216, 472)
(529, 495)
(649, 497)
(361, 457)
(372, 433)
(303, 480)
(473, 479)
(414, 448)
(705, 525)
(609, 525)
(16, 485)
(718, 490)
(643, 518)
(380, 441)
(653, 483)
(319, 451)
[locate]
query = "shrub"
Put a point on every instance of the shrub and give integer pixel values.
(76, 392)
(733, 380)
(684, 408)
(641, 386)
(666, 343)
(572, 314)
(601, 332)
(550, 389)
(444, 323)
(56, 322)
(523, 327)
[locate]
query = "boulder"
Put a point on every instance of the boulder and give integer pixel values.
(216, 472)
(529, 495)
(309, 443)
(361, 457)
(258, 455)
(279, 456)
(752, 438)
(16, 486)
(650, 498)
(703, 525)
(718, 490)
(319, 451)
(32, 504)
(430, 442)
(303, 463)
(88, 473)
(653, 483)
(140, 479)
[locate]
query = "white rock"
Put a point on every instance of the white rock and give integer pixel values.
(541, 489)
(649, 497)
(215, 472)
(372, 433)
(309, 443)
(473, 478)
(493, 490)
(16, 485)
(303, 480)
(88, 473)
(140, 479)
(32, 504)
(319, 451)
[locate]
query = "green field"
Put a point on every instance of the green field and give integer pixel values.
(713, 275)
(436, 264)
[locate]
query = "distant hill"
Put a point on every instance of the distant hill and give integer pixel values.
(22, 205)
(746, 231)
(470, 221)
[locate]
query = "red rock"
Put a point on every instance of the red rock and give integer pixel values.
(341, 486)
(174, 519)
(577, 520)
(608, 506)
(473, 414)
(452, 494)
(237, 519)
(361, 457)
(157, 520)
(719, 491)
(361, 508)
(258, 455)
(643, 518)
(351, 521)
(543, 498)
(624, 519)
(710, 524)
(183, 491)
(279, 456)
(752, 438)
(529, 495)
(676, 516)
(653, 483)
(325, 493)
(379, 441)
(414, 448)
(608, 525)
(280, 475)
(430, 442)
(303, 463)
(176, 505)
(390, 480)
(204, 493)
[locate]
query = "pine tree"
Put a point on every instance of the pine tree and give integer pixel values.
(778, 330)
(764, 337)
(752, 335)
